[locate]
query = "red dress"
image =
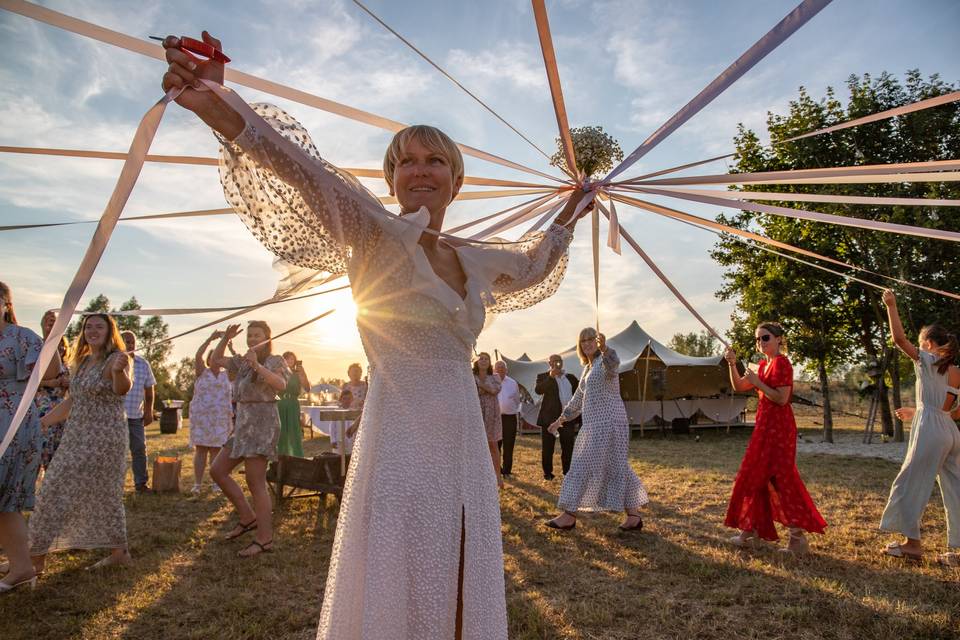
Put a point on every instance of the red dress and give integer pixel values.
(768, 487)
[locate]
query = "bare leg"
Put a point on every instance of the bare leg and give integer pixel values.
(199, 463)
(257, 483)
(495, 455)
(220, 472)
(13, 539)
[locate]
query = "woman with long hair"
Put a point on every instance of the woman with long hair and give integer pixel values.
(291, 437)
(80, 505)
(19, 351)
(418, 548)
(261, 375)
(52, 391)
(488, 387)
(600, 476)
(768, 486)
(211, 411)
(933, 453)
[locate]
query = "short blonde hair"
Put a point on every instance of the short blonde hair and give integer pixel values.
(588, 332)
(430, 137)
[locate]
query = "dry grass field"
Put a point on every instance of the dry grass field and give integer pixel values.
(677, 579)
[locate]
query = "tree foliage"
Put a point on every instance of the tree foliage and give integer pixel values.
(696, 343)
(833, 321)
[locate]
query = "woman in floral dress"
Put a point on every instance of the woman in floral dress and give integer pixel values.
(768, 487)
(211, 411)
(19, 351)
(80, 505)
(261, 375)
(488, 386)
(600, 476)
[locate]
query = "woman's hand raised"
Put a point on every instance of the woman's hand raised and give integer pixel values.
(184, 71)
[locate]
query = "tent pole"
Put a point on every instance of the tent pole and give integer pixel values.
(643, 392)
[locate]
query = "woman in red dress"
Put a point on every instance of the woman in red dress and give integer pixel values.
(768, 487)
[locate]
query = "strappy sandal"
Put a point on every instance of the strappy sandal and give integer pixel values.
(244, 528)
(266, 547)
(896, 550)
(745, 540)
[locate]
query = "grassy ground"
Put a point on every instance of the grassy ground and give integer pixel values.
(678, 579)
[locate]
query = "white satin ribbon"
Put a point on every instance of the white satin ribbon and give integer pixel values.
(108, 221)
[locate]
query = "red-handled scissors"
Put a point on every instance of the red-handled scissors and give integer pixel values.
(200, 48)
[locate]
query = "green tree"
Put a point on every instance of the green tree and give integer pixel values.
(835, 321)
(696, 343)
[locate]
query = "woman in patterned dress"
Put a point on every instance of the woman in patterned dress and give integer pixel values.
(353, 392)
(52, 392)
(768, 487)
(80, 505)
(211, 411)
(261, 375)
(291, 437)
(600, 476)
(933, 454)
(488, 386)
(19, 351)
(418, 548)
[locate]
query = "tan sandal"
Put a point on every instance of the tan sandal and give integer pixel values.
(896, 550)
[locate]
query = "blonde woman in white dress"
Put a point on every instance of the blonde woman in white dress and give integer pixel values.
(210, 411)
(417, 552)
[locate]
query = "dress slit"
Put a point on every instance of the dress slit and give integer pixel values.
(458, 635)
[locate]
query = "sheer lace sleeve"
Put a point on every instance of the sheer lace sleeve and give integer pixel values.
(295, 203)
(540, 262)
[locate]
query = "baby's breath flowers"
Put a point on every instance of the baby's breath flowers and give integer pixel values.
(596, 151)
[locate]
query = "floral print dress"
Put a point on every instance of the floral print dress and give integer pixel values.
(19, 350)
(80, 505)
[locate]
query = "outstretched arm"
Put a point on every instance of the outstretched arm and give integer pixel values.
(896, 326)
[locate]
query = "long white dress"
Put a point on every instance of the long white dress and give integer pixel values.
(420, 464)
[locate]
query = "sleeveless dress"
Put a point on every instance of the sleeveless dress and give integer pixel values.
(291, 438)
(420, 473)
(210, 409)
(80, 505)
(933, 455)
(256, 428)
(768, 487)
(19, 350)
(600, 476)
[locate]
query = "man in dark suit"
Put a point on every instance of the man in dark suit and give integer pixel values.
(557, 387)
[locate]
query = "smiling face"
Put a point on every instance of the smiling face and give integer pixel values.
(95, 332)
(255, 336)
(483, 362)
(767, 343)
(423, 177)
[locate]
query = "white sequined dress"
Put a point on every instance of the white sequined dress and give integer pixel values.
(420, 462)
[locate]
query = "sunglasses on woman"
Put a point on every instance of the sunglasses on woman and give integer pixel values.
(764, 338)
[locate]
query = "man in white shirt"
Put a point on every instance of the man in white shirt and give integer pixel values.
(138, 405)
(509, 398)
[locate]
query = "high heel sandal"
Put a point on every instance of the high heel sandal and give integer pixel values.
(797, 544)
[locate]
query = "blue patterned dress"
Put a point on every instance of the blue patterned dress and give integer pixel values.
(19, 350)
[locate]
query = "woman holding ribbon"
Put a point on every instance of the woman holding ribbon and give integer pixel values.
(768, 487)
(418, 551)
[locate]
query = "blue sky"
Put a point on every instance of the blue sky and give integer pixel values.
(626, 66)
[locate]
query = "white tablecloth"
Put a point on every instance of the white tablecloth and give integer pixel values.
(330, 428)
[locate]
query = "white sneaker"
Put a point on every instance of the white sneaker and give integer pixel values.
(195, 490)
